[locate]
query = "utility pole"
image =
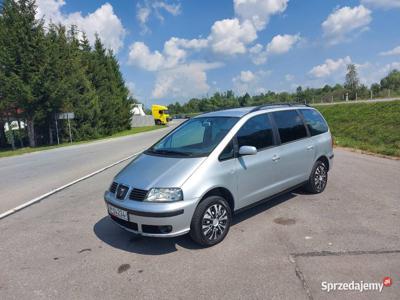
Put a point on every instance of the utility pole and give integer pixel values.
(371, 94)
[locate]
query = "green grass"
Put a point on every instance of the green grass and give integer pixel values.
(373, 127)
(118, 134)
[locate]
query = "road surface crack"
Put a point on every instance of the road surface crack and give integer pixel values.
(343, 253)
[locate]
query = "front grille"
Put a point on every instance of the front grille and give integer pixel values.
(138, 194)
(130, 225)
(113, 187)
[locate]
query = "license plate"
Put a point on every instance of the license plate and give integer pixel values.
(117, 212)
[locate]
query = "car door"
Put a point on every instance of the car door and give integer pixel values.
(296, 150)
(256, 174)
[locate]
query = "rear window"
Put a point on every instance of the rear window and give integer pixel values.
(256, 132)
(290, 125)
(315, 122)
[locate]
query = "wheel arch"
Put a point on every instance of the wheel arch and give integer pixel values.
(324, 159)
(222, 192)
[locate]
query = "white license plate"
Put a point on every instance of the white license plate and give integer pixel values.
(117, 212)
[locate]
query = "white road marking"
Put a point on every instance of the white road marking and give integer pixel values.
(52, 192)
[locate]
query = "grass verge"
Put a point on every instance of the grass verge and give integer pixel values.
(373, 127)
(118, 134)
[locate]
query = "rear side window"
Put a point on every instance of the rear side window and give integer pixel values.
(256, 132)
(315, 123)
(290, 125)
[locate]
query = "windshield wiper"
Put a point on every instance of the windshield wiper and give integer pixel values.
(173, 152)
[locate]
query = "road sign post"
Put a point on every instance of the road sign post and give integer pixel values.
(58, 138)
(66, 116)
(69, 127)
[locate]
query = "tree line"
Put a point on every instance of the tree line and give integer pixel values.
(50, 69)
(389, 86)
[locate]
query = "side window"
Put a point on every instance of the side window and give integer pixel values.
(227, 153)
(315, 123)
(256, 132)
(290, 125)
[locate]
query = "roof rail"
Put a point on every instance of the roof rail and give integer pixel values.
(263, 106)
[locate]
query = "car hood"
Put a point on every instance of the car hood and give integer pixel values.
(147, 171)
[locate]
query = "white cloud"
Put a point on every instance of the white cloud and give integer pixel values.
(330, 66)
(394, 51)
(174, 49)
(173, 9)
(282, 43)
(142, 15)
(343, 21)
(174, 53)
(246, 76)
(230, 36)
(175, 78)
(102, 21)
(147, 8)
(50, 10)
(390, 67)
(184, 81)
(289, 77)
(227, 36)
(258, 55)
(279, 44)
(373, 72)
(259, 11)
(141, 56)
(249, 82)
(386, 4)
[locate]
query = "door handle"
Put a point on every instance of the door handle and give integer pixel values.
(276, 158)
(310, 147)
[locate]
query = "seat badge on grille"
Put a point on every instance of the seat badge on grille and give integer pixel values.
(122, 190)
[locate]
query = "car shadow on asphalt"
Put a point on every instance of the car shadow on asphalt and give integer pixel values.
(110, 233)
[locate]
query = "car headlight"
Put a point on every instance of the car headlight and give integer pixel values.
(164, 195)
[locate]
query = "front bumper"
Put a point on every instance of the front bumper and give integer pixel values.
(145, 217)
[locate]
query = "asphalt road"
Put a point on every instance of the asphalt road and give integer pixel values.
(30, 175)
(66, 247)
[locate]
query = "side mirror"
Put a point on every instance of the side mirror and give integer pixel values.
(247, 150)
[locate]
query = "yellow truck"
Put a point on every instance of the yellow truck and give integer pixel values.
(160, 114)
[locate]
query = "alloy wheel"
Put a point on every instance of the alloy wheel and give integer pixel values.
(320, 177)
(214, 221)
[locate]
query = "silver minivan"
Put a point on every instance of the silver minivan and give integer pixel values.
(217, 164)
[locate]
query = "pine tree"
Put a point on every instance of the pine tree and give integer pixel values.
(82, 98)
(110, 88)
(21, 58)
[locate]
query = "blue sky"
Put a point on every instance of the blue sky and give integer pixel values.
(171, 50)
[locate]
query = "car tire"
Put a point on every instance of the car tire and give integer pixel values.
(211, 221)
(158, 122)
(318, 179)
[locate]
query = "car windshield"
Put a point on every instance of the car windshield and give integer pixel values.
(196, 137)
